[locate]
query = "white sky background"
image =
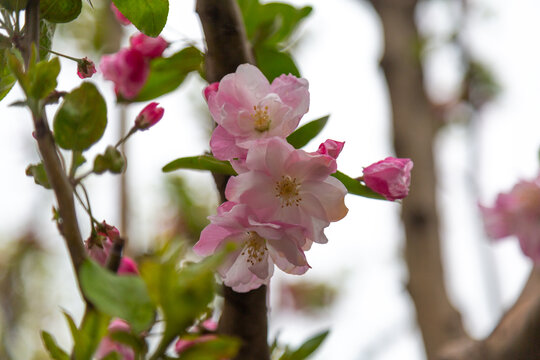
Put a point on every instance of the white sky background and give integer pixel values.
(339, 52)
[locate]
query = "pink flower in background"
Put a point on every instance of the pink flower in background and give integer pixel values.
(127, 266)
(149, 116)
(283, 184)
(107, 345)
(247, 107)
(261, 244)
(148, 46)
(119, 16)
(331, 148)
(85, 68)
(390, 177)
(517, 213)
(128, 69)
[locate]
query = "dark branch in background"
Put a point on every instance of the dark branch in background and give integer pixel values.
(56, 174)
(415, 127)
(517, 336)
(244, 314)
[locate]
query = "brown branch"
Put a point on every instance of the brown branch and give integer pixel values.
(516, 337)
(244, 314)
(414, 130)
(56, 174)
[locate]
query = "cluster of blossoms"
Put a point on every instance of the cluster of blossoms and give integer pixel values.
(129, 68)
(517, 213)
(282, 198)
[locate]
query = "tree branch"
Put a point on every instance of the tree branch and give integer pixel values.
(244, 314)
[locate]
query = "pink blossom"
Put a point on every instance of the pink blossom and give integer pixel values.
(210, 90)
(107, 345)
(99, 246)
(331, 148)
(128, 69)
(149, 116)
(85, 68)
(261, 244)
(517, 213)
(127, 266)
(283, 184)
(148, 46)
(390, 177)
(119, 16)
(247, 107)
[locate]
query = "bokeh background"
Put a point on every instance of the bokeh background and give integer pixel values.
(357, 284)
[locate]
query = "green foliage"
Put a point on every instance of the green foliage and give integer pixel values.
(355, 187)
(52, 347)
(306, 349)
(274, 63)
(42, 78)
(125, 297)
(46, 34)
(81, 119)
(214, 349)
(135, 342)
(7, 79)
(13, 5)
(303, 135)
(112, 161)
(87, 338)
(167, 74)
(202, 162)
(60, 11)
(37, 171)
(149, 16)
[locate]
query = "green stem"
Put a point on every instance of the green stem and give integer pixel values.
(60, 54)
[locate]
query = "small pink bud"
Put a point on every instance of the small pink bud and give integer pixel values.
(210, 325)
(85, 68)
(149, 116)
(182, 345)
(331, 148)
(107, 345)
(210, 90)
(148, 46)
(390, 177)
(127, 267)
(119, 16)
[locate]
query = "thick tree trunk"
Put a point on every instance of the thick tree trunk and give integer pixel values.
(414, 129)
(244, 314)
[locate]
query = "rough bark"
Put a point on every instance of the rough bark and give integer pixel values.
(244, 314)
(414, 127)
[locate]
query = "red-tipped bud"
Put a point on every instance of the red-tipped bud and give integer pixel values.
(149, 116)
(85, 68)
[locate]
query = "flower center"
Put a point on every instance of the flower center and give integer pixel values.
(261, 119)
(287, 191)
(255, 247)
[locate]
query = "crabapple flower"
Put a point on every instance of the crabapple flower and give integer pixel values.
(119, 16)
(98, 247)
(85, 68)
(331, 148)
(247, 107)
(293, 186)
(148, 46)
(517, 213)
(107, 345)
(261, 244)
(390, 177)
(210, 90)
(128, 69)
(149, 116)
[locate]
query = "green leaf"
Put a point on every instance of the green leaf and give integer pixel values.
(60, 11)
(14, 5)
(136, 343)
(46, 34)
(112, 161)
(355, 187)
(149, 16)
(7, 79)
(52, 347)
(274, 63)
(42, 77)
(81, 119)
(112, 356)
(201, 162)
(72, 326)
(303, 135)
(37, 171)
(167, 74)
(307, 348)
(125, 297)
(215, 349)
(93, 328)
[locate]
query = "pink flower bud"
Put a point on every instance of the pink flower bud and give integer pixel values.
(149, 116)
(331, 148)
(107, 345)
(210, 90)
(119, 16)
(99, 246)
(127, 267)
(148, 46)
(85, 68)
(390, 177)
(182, 345)
(128, 69)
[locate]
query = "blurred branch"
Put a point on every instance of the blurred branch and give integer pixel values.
(415, 126)
(244, 314)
